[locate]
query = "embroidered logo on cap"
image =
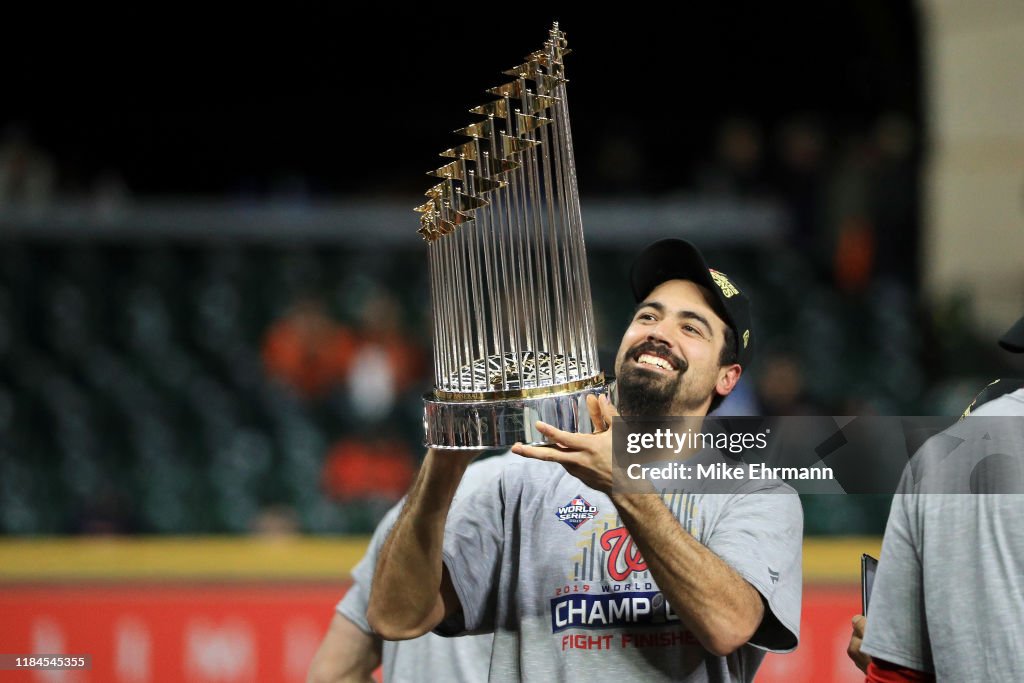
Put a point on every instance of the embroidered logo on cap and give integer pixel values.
(728, 289)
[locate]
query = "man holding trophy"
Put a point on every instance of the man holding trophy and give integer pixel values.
(505, 555)
(572, 573)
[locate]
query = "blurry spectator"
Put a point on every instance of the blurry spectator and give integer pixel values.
(801, 178)
(780, 387)
(385, 362)
(854, 254)
(375, 469)
(737, 169)
(850, 231)
(894, 197)
(276, 521)
(308, 350)
(27, 174)
(872, 207)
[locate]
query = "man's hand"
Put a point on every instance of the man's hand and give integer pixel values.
(588, 457)
(853, 649)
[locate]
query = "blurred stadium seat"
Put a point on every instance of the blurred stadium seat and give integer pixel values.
(134, 399)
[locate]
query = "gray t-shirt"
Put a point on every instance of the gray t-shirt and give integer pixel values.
(429, 658)
(545, 563)
(949, 594)
(1004, 406)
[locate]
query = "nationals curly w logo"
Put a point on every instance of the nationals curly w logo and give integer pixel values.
(623, 557)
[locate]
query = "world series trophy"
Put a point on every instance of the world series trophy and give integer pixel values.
(513, 324)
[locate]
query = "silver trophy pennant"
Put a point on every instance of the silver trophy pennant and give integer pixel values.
(513, 323)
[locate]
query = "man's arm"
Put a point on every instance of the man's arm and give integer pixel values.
(897, 631)
(716, 603)
(411, 592)
(346, 654)
(718, 606)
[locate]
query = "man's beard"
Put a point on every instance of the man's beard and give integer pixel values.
(644, 392)
(641, 394)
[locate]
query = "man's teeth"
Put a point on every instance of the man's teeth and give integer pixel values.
(654, 360)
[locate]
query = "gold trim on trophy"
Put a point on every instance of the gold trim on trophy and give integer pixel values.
(565, 388)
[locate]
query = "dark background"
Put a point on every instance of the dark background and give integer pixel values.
(138, 391)
(331, 101)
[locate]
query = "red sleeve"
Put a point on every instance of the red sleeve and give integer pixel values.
(881, 671)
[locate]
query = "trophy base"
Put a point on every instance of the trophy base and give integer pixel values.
(481, 425)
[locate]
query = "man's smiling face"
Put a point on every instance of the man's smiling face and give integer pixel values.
(669, 359)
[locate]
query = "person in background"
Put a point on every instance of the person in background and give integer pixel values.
(351, 651)
(948, 598)
(308, 350)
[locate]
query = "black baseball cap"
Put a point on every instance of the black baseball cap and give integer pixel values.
(1013, 340)
(675, 259)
